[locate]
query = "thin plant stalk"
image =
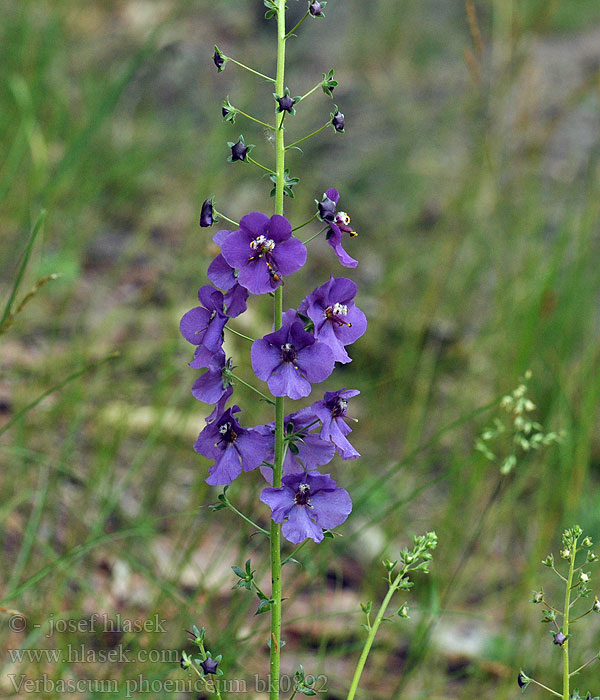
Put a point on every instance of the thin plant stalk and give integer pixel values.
(371, 636)
(275, 641)
(566, 685)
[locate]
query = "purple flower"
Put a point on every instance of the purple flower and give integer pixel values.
(213, 384)
(232, 447)
(337, 321)
(203, 325)
(206, 215)
(338, 224)
(263, 250)
(305, 449)
(332, 411)
(311, 502)
(290, 359)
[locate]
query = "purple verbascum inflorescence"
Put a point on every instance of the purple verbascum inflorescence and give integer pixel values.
(307, 504)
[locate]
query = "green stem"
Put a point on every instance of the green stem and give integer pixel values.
(254, 389)
(545, 687)
(293, 554)
(275, 641)
(310, 92)
(241, 335)
(372, 632)
(231, 507)
(566, 688)
(309, 136)
(312, 218)
(289, 34)
(222, 216)
(254, 119)
(260, 165)
(250, 70)
(587, 663)
(308, 240)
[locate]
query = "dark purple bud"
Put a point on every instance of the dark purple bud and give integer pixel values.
(218, 59)
(522, 680)
(206, 215)
(315, 8)
(286, 103)
(560, 638)
(338, 121)
(238, 151)
(326, 208)
(209, 665)
(225, 112)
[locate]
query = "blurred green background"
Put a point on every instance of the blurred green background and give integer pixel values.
(470, 168)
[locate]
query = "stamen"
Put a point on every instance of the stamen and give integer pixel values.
(262, 244)
(334, 312)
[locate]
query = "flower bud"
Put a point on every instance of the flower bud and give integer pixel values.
(209, 665)
(218, 59)
(537, 596)
(239, 150)
(206, 215)
(338, 121)
(316, 8)
(286, 103)
(523, 680)
(560, 638)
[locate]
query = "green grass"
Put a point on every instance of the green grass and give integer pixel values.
(477, 222)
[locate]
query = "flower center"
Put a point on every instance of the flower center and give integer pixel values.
(336, 312)
(227, 433)
(302, 497)
(262, 245)
(339, 408)
(288, 353)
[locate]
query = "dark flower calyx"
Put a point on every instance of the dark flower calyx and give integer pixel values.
(206, 215)
(338, 121)
(218, 59)
(209, 665)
